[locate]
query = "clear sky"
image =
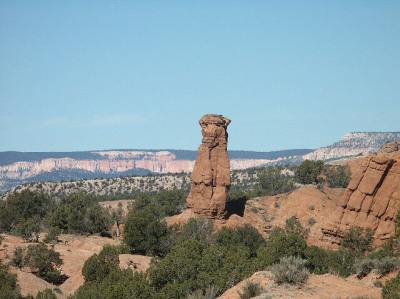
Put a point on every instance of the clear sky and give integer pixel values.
(82, 75)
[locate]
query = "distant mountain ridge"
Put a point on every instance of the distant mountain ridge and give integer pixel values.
(354, 144)
(25, 167)
(9, 157)
(18, 168)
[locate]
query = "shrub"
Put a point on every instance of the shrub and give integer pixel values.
(52, 235)
(251, 290)
(397, 228)
(317, 260)
(192, 265)
(309, 171)
(272, 181)
(209, 293)
(391, 290)
(337, 176)
(246, 236)
(180, 267)
(223, 266)
(198, 229)
(166, 203)
(18, 258)
(118, 216)
(293, 226)
(387, 265)
(117, 284)
(46, 294)
(290, 270)
(358, 240)
(146, 233)
(364, 267)
(98, 266)
(283, 242)
(80, 213)
(28, 229)
(341, 262)
(311, 221)
(321, 261)
(44, 262)
(385, 251)
(8, 284)
(22, 207)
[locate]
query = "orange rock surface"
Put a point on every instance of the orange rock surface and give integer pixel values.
(310, 205)
(211, 173)
(372, 197)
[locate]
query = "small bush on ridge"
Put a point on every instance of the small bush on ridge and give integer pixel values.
(309, 171)
(391, 290)
(251, 290)
(46, 294)
(358, 240)
(98, 266)
(290, 270)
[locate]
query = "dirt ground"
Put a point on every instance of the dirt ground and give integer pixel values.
(74, 251)
(317, 287)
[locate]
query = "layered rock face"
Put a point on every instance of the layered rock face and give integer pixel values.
(372, 198)
(211, 173)
(109, 163)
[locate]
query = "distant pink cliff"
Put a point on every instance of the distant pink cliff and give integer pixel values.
(115, 161)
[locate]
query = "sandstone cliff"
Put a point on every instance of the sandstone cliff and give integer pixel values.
(372, 197)
(116, 163)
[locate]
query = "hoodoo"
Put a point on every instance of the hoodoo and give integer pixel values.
(211, 173)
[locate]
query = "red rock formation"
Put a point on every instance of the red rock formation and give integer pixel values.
(372, 198)
(211, 173)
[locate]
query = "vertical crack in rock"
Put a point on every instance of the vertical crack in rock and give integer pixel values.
(211, 173)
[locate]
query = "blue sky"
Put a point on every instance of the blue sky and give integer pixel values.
(81, 75)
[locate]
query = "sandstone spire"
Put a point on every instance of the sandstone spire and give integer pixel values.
(211, 173)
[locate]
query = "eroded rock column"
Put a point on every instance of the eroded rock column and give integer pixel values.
(211, 173)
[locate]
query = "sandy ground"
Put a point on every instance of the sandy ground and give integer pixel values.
(74, 251)
(317, 287)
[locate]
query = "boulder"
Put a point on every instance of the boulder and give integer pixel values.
(135, 262)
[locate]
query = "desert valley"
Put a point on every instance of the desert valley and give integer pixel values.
(321, 225)
(199, 149)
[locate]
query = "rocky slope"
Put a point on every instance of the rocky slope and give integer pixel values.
(18, 168)
(310, 205)
(371, 200)
(354, 144)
